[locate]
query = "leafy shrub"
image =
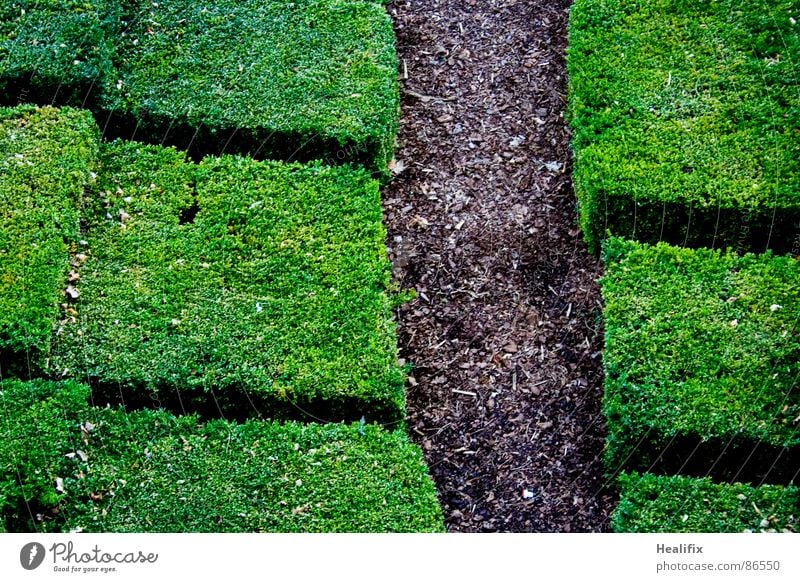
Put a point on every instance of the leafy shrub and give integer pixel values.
(270, 292)
(660, 504)
(684, 117)
(56, 48)
(46, 160)
(699, 343)
(302, 80)
(123, 471)
(38, 426)
(264, 477)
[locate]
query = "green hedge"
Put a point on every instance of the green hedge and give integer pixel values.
(274, 294)
(56, 49)
(660, 504)
(38, 422)
(699, 344)
(684, 119)
(46, 161)
(149, 471)
(296, 81)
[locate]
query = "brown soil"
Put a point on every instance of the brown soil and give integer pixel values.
(504, 335)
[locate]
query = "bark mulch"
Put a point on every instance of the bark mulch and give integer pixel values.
(504, 335)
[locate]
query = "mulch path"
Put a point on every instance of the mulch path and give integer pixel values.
(505, 332)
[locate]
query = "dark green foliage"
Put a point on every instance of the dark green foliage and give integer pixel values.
(699, 343)
(263, 477)
(151, 471)
(56, 48)
(276, 290)
(286, 80)
(289, 80)
(659, 504)
(38, 426)
(685, 119)
(46, 160)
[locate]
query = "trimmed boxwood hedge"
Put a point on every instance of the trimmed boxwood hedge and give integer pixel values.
(685, 119)
(46, 161)
(661, 504)
(38, 422)
(69, 467)
(291, 81)
(699, 344)
(56, 49)
(263, 283)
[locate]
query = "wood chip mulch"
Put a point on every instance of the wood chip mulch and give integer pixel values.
(505, 334)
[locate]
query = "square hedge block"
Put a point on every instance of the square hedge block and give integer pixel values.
(295, 81)
(258, 287)
(685, 118)
(66, 466)
(702, 356)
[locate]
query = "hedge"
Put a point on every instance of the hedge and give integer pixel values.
(237, 283)
(38, 422)
(700, 345)
(46, 160)
(677, 504)
(684, 118)
(56, 49)
(292, 81)
(149, 471)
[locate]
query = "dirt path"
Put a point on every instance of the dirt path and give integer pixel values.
(504, 334)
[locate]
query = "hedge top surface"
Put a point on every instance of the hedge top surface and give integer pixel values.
(37, 428)
(662, 504)
(46, 159)
(58, 44)
(688, 102)
(46, 155)
(315, 69)
(115, 471)
(264, 477)
(277, 286)
(701, 342)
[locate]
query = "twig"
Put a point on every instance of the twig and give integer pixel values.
(427, 98)
(465, 392)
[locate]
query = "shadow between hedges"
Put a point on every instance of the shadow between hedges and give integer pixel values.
(724, 460)
(743, 230)
(199, 142)
(239, 405)
(42, 91)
